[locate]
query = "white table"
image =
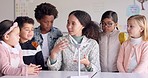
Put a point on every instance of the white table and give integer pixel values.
(65, 74)
(120, 75)
(53, 74)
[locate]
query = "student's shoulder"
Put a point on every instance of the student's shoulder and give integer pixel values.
(145, 43)
(90, 40)
(125, 43)
(56, 32)
(64, 37)
(1, 46)
(55, 29)
(3, 50)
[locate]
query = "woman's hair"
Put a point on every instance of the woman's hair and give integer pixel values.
(45, 9)
(110, 14)
(142, 22)
(91, 29)
(21, 20)
(4, 27)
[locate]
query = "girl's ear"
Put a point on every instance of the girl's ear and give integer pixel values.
(6, 37)
(142, 29)
(116, 24)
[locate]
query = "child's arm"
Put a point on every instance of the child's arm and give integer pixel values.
(120, 59)
(143, 64)
(5, 65)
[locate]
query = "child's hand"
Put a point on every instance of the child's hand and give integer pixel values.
(34, 69)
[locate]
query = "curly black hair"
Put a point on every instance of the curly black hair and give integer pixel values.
(45, 9)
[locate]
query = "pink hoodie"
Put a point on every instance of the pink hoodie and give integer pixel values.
(125, 53)
(11, 61)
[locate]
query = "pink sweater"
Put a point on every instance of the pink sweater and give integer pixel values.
(125, 53)
(11, 63)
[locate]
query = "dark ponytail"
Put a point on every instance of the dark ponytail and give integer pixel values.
(92, 31)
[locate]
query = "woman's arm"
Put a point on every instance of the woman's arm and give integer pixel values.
(55, 60)
(94, 58)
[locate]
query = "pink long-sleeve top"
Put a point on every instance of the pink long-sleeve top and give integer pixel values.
(125, 54)
(11, 61)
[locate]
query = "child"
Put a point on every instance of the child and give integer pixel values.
(133, 53)
(109, 42)
(46, 35)
(31, 49)
(11, 61)
(65, 53)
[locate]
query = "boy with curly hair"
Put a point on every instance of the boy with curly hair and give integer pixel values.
(46, 34)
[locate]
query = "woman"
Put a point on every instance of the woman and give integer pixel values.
(64, 54)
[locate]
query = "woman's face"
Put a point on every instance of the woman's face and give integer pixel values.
(74, 26)
(108, 25)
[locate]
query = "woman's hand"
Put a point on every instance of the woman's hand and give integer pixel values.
(85, 61)
(59, 47)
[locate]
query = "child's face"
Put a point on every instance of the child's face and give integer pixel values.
(13, 37)
(108, 25)
(133, 29)
(27, 32)
(74, 26)
(46, 23)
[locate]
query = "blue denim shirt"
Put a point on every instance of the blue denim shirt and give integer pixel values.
(53, 35)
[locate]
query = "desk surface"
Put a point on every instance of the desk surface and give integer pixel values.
(53, 74)
(120, 75)
(65, 74)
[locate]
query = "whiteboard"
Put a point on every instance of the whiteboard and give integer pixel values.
(94, 7)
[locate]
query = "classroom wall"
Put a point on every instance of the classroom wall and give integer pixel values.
(6, 9)
(94, 7)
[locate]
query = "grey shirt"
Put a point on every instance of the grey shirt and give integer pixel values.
(65, 58)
